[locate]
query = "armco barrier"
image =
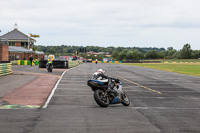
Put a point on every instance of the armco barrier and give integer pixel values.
(60, 64)
(5, 69)
(56, 64)
(42, 63)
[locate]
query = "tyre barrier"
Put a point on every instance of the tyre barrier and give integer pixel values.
(14, 62)
(5, 69)
(24, 62)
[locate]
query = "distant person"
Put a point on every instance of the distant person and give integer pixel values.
(31, 59)
(96, 61)
(49, 65)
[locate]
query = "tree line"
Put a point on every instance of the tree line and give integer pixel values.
(122, 53)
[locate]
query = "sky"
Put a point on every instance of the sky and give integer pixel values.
(124, 23)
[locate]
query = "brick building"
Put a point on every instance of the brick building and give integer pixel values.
(4, 51)
(17, 46)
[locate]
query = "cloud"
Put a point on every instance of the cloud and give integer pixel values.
(106, 22)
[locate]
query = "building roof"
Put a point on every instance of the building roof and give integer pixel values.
(15, 35)
(98, 53)
(13, 49)
(39, 52)
(91, 52)
(65, 58)
(105, 53)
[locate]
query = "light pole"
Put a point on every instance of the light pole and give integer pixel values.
(28, 42)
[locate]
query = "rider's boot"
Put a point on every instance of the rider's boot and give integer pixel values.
(112, 90)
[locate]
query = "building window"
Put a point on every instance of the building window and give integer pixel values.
(24, 44)
(17, 57)
(11, 43)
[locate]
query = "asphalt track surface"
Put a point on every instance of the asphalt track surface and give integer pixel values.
(27, 86)
(161, 102)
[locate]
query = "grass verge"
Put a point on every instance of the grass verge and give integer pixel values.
(188, 69)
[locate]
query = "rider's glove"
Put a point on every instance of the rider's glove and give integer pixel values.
(117, 80)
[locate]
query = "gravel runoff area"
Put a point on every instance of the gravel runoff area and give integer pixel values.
(27, 85)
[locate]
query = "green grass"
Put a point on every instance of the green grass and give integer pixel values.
(174, 60)
(189, 69)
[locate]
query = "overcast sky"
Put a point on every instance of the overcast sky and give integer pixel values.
(126, 23)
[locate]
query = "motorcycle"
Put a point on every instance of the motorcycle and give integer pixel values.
(104, 97)
(49, 67)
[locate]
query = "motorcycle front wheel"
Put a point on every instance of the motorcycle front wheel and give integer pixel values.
(100, 99)
(125, 99)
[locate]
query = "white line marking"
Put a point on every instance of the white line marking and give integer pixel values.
(72, 84)
(55, 87)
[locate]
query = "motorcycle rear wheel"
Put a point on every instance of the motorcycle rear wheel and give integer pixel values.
(100, 99)
(51, 70)
(125, 99)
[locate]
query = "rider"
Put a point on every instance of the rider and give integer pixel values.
(49, 63)
(100, 75)
(96, 61)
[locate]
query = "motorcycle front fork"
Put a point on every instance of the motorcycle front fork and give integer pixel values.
(105, 94)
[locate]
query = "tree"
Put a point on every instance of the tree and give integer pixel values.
(119, 49)
(152, 55)
(115, 55)
(171, 52)
(161, 56)
(186, 52)
(102, 49)
(170, 48)
(176, 55)
(140, 55)
(51, 50)
(132, 55)
(195, 54)
(125, 51)
(122, 56)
